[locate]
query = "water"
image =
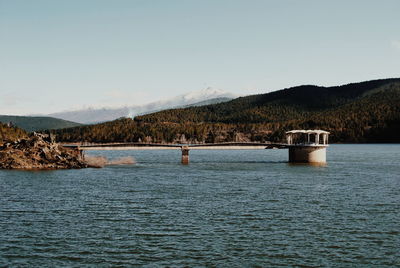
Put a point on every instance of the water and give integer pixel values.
(226, 209)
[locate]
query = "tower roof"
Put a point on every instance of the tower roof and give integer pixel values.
(314, 131)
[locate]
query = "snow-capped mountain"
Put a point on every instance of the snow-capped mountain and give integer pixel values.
(195, 98)
(204, 94)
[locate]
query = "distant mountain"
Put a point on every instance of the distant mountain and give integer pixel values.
(92, 115)
(35, 123)
(358, 112)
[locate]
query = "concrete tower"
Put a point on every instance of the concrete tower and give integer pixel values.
(307, 146)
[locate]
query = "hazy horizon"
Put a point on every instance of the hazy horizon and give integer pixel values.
(66, 55)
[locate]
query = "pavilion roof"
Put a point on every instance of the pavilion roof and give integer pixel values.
(314, 131)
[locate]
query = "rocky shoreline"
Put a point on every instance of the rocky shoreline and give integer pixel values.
(39, 152)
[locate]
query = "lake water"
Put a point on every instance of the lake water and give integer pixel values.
(225, 209)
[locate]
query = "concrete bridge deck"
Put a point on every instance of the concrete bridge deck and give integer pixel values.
(160, 146)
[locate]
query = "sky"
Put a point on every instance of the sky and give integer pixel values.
(58, 55)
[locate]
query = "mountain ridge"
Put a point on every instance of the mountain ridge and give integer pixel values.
(358, 112)
(304, 98)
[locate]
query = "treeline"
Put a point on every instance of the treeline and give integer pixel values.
(10, 133)
(362, 112)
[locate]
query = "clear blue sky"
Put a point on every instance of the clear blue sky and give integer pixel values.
(57, 55)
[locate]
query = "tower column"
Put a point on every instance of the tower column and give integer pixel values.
(307, 154)
(185, 155)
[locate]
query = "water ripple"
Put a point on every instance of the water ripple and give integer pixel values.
(227, 209)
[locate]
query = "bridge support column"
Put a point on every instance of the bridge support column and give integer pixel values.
(185, 155)
(307, 154)
(80, 152)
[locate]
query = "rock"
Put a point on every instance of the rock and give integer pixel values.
(39, 152)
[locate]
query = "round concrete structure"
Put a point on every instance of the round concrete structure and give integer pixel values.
(307, 154)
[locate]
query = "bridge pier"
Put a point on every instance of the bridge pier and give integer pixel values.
(185, 155)
(80, 152)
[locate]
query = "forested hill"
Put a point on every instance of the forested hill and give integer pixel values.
(359, 112)
(287, 104)
(35, 123)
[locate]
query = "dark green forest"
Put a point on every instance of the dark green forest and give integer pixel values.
(358, 112)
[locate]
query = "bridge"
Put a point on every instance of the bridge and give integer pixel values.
(174, 146)
(185, 148)
(302, 148)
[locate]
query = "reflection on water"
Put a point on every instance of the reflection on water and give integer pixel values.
(226, 208)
